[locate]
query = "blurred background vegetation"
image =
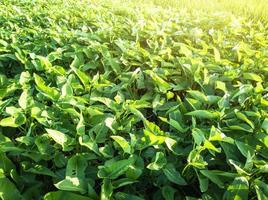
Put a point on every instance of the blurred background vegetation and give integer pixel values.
(254, 9)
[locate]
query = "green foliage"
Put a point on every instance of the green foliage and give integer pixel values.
(112, 100)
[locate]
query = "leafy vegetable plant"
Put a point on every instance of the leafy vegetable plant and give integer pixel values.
(110, 101)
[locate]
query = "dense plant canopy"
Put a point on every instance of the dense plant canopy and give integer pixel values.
(129, 102)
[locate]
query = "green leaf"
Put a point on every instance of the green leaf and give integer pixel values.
(62, 139)
(115, 169)
(5, 145)
(106, 189)
(84, 78)
(24, 100)
(210, 146)
(168, 192)
(38, 169)
(243, 89)
(244, 148)
(216, 134)
(203, 182)
(153, 139)
(106, 101)
(152, 127)
(213, 177)
(241, 127)
(162, 84)
(110, 122)
(123, 182)
(264, 125)
(136, 112)
(252, 76)
(72, 184)
(261, 189)
(67, 90)
(80, 128)
(76, 166)
(174, 124)
(173, 175)
(159, 161)
(2, 174)
(243, 117)
(171, 144)
(8, 191)
(204, 114)
(124, 196)
(75, 175)
(60, 195)
(221, 86)
(199, 136)
(217, 177)
(5, 163)
(185, 50)
(135, 170)
(238, 190)
(14, 121)
(49, 92)
(263, 138)
(113, 62)
(42, 63)
(123, 143)
(237, 167)
(198, 95)
(217, 55)
(86, 141)
(91, 192)
(25, 78)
